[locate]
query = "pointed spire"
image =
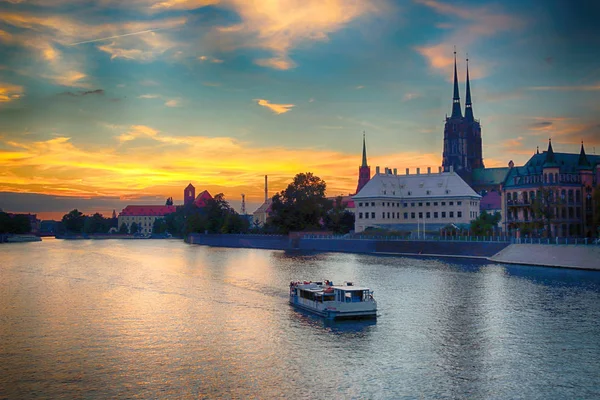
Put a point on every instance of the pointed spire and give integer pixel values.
(550, 159)
(583, 160)
(364, 158)
(468, 105)
(456, 111)
(537, 151)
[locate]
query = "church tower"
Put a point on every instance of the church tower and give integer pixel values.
(364, 171)
(189, 195)
(462, 135)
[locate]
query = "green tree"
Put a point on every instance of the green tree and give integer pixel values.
(159, 226)
(542, 210)
(123, 229)
(74, 221)
(18, 223)
(169, 201)
(134, 228)
(485, 224)
(301, 206)
(338, 219)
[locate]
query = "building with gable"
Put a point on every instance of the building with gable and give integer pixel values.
(413, 202)
(144, 216)
(552, 195)
(189, 197)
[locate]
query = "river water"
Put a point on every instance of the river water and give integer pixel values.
(163, 319)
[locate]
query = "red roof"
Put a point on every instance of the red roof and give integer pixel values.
(202, 199)
(147, 211)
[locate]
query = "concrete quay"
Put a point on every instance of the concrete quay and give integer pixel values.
(562, 256)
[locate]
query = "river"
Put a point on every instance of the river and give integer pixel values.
(163, 319)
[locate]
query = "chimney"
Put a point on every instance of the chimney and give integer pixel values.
(266, 190)
(418, 171)
(395, 171)
(428, 170)
(439, 170)
(377, 170)
(407, 171)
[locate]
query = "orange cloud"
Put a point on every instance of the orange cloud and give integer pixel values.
(10, 92)
(279, 26)
(477, 22)
(584, 88)
(276, 108)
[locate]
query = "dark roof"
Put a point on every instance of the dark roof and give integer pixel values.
(568, 163)
(489, 176)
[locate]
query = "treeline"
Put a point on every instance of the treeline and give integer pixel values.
(216, 217)
(15, 224)
(76, 223)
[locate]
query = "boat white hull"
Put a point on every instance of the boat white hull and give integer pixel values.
(336, 310)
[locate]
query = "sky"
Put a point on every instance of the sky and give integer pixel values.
(107, 103)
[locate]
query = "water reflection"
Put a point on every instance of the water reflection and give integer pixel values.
(350, 327)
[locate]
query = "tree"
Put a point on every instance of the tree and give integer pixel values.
(74, 221)
(338, 219)
(123, 229)
(485, 223)
(134, 228)
(542, 210)
(169, 201)
(18, 223)
(301, 206)
(159, 226)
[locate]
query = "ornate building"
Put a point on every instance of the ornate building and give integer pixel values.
(552, 195)
(462, 135)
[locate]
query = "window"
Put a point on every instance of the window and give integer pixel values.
(412, 215)
(435, 203)
(360, 204)
(443, 203)
(367, 215)
(451, 214)
(459, 214)
(412, 204)
(420, 215)
(451, 203)
(372, 204)
(428, 215)
(383, 215)
(420, 204)
(373, 215)
(409, 193)
(459, 203)
(359, 215)
(405, 204)
(427, 204)
(405, 215)
(443, 214)
(435, 214)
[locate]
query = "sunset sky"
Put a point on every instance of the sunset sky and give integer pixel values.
(112, 102)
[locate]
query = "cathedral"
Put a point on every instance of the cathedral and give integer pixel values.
(463, 149)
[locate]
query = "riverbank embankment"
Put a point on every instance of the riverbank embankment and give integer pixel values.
(548, 255)
(563, 256)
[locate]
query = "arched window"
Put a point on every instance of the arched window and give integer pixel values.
(545, 178)
(551, 178)
(577, 196)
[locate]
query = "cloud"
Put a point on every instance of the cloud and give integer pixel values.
(280, 26)
(149, 96)
(10, 92)
(276, 108)
(476, 23)
(359, 87)
(576, 88)
(566, 129)
(173, 103)
(210, 59)
(83, 93)
(410, 96)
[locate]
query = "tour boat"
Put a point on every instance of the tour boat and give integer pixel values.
(333, 301)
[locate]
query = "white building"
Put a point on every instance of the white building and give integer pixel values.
(143, 216)
(428, 201)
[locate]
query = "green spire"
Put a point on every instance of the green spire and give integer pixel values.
(456, 111)
(468, 105)
(550, 158)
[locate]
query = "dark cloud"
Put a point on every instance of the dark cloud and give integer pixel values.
(541, 125)
(42, 203)
(83, 93)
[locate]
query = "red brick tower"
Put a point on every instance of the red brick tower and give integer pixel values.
(364, 171)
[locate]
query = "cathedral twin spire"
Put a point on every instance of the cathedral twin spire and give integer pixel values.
(456, 109)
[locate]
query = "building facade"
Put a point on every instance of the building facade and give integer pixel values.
(143, 216)
(552, 195)
(462, 135)
(415, 202)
